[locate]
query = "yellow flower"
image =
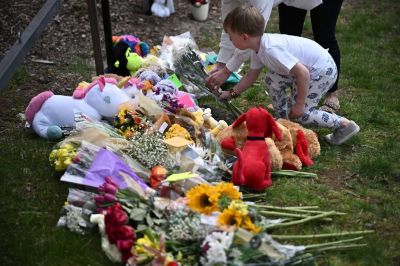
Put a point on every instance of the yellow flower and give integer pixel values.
(250, 226)
(230, 217)
(200, 199)
(228, 190)
(144, 241)
(240, 206)
(177, 130)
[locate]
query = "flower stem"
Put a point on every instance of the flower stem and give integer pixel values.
(302, 207)
(307, 219)
(342, 247)
(285, 214)
(283, 237)
(295, 209)
(291, 173)
(312, 246)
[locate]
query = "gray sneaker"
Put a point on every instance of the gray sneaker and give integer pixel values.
(341, 135)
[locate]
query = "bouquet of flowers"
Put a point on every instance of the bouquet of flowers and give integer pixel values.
(62, 156)
(130, 123)
(150, 150)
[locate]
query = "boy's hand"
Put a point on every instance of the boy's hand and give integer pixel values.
(296, 111)
(216, 79)
(218, 66)
(225, 95)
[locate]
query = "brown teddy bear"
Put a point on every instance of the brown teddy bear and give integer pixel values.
(291, 155)
(314, 148)
(290, 160)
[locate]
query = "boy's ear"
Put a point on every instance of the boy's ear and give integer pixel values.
(245, 36)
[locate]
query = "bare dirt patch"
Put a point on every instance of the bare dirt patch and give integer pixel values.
(67, 39)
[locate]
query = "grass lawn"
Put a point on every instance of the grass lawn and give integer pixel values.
(360, 178)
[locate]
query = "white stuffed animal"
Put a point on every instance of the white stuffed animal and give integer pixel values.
(48, 113)
(159, 9)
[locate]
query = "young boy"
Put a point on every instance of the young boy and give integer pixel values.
(292, 61)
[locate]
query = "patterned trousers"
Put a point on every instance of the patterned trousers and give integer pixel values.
(282, 91)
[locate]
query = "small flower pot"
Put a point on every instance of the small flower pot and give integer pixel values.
(200, 13)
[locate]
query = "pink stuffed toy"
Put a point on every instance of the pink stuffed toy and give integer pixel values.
(253, 166)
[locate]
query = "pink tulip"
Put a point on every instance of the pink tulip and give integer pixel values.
(109, 197)
(110, 188)
(99, 198)
(109, 180)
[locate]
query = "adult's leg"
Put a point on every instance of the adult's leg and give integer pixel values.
(323, 20)
(226, 47)
(291, 19)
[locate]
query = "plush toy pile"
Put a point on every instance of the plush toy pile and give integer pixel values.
(160, 162)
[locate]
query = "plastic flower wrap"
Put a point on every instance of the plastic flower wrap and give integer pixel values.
(62, 156)
(93, 164)
(77, 210)
(130, 123)
(82, 161)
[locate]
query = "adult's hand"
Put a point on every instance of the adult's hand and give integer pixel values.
(215, 80)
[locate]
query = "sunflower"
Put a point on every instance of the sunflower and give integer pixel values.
(230, 217)
(228, 190)
(250, 226)
(200, 199)
(239, 206)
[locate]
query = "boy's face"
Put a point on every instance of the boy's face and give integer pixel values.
(238, 40)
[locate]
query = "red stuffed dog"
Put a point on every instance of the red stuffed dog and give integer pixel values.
(252, 168)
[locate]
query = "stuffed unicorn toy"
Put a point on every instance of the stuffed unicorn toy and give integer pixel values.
(48, 113)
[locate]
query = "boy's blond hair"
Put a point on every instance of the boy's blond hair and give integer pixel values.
(245, 19)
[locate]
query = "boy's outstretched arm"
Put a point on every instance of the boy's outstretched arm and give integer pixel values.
(246, 81)
(302, 79)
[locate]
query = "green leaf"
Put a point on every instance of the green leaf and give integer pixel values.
(149, 220)
(137, 214)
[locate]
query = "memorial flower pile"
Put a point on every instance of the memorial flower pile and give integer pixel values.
(160, 196)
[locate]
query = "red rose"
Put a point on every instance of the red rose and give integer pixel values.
(125, 232)
(111, 234)
(137, 120)
(115, 215)
(124, 244)
(126, 255)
